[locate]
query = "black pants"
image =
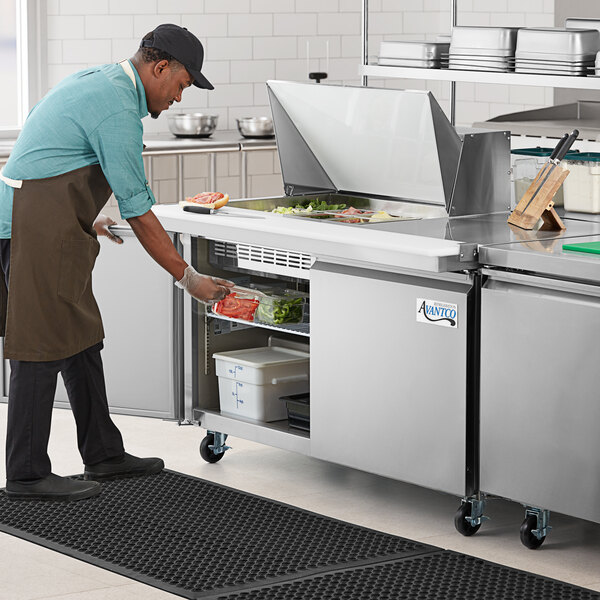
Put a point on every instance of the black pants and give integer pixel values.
(30, 400)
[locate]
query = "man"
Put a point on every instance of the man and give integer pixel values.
(82, 141)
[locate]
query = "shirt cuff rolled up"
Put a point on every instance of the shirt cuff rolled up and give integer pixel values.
(136, 205)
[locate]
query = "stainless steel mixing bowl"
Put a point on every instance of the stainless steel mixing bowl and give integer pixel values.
(255, 127)
(192, 124)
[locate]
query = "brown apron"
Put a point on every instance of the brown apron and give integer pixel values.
(52, 313)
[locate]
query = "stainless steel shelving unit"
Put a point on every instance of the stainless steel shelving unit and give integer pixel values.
(455, 75)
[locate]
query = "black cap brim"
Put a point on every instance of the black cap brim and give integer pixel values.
(201, 81)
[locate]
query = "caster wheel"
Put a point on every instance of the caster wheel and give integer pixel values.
(206, 453)
(460, 522)
(528, 538)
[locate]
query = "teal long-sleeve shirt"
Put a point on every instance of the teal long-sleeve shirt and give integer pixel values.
(91, 117)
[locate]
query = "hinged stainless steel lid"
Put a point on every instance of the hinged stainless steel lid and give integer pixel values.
(395, 144)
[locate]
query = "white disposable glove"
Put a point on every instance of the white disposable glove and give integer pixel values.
(204, 288)
(101, 226)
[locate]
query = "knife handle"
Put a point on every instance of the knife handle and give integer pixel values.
(558, 146)
(203, 210)
(566, 146)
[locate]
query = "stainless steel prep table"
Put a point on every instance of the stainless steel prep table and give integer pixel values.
(165, 144)
(540, 405)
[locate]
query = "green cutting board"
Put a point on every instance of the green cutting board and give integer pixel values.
(589, 247)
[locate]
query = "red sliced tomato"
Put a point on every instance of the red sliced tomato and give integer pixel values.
(236, 308)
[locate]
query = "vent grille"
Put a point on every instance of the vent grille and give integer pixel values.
(259, 258)
(225, 249)
(273, 256)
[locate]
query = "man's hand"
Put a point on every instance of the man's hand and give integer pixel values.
(101, 226)
(204, 288)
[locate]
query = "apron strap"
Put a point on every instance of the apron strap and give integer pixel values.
(13, 183)
(127, 68)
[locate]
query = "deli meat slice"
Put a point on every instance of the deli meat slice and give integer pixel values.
(208, 199)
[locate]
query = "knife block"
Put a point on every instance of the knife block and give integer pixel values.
(526, 214)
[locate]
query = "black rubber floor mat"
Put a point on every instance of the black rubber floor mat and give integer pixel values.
(196, 538)
(441, 576)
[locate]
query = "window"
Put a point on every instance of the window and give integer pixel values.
(22, 36)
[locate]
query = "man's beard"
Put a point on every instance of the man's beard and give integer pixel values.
(155, 115)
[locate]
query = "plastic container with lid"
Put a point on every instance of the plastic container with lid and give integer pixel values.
(526, 164)
(283, 306)
(251, 381)
(241, 303)
(582, 185)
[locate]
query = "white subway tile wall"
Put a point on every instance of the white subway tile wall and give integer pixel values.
(250, 41)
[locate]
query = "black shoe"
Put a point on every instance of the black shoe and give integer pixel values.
(53, 487)
(128, 466)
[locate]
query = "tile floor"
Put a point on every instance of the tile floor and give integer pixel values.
(27, 572)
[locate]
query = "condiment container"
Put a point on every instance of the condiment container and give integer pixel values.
(251, 381)
(526, 164)
(582, 185)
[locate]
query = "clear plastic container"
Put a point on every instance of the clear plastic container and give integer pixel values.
(241, 303)
(582, 185)
(526, 164)
(285, 306)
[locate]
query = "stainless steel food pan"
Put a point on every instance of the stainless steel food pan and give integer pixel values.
(547, 66)
(547, 57)
(483, 60)
(413, 50)
(557, 63)
(484, 39)
(578, 23)
(529, 70)
(476, 67)
(407, 62)
(504, 53)
(558, 41)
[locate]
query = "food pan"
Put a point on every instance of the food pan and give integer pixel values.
(530, 71)
(485, 40)
(413, 50)
(498, 62)
(584, 68)
(553, 41)
(478, 67)
(577, 23)
(407, 62)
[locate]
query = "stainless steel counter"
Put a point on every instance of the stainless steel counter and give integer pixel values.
(166, 144)
(546, 257)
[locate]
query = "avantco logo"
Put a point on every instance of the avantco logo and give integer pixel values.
(437, 313)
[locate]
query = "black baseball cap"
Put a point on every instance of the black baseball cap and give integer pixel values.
(183, 46)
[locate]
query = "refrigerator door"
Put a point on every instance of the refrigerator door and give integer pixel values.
(539, 393)
(390, 396)
(135, 297)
